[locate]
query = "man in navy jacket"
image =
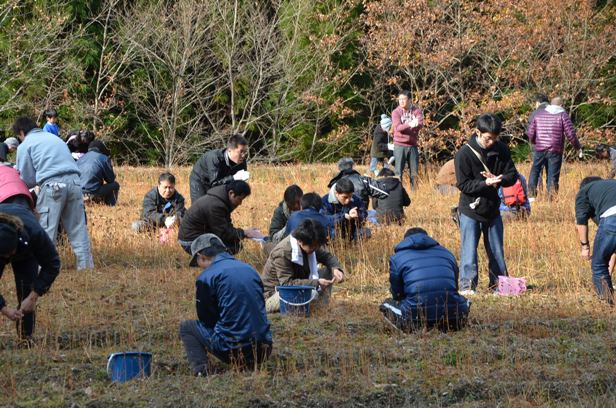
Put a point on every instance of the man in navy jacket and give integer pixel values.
(232, 321)
(311, 206)
(424, 285)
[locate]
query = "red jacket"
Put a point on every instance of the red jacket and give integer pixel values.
(404, 134)
(11, 185)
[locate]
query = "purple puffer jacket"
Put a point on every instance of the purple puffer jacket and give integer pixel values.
(548, 129)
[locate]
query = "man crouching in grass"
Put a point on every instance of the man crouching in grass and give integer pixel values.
(596, 199)
(232, 322)
(424, 285)
(294, 261)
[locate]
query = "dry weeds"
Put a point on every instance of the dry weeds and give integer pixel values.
(554, 346)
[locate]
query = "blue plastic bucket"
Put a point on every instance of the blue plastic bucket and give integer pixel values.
(122, 367)
(295, 300)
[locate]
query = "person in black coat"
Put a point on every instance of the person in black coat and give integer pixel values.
(364, 187)
(34, 259)
(218, 167)
(211, 214)
(163, 206)
(482, 166)
(391, 208)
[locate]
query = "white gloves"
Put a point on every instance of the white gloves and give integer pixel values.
(390, 146)
(169, 221)
(581, 154)
(241, 175)
(414, 122)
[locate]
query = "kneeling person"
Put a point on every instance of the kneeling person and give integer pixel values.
(98, 180)
(232, 322)
(163, 206)
(424, 284)
(294, 261)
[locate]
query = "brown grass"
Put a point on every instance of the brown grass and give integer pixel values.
(554, 346)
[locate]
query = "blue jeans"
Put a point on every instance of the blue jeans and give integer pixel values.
(552, 162)
(374, 161)
(470, 231)
(603, 248)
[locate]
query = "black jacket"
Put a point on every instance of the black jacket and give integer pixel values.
(33, 243)
(212, 214)
(391, 208)
(593, 200)
(472, 184)
(156, 208)
(379, 143)
(365, 187)
(213, 169)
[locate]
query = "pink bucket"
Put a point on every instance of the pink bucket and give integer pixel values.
(165, 235)
(508, 286)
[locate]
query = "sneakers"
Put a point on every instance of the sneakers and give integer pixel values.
(468, 292)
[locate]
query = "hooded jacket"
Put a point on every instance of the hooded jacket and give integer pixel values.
(280, 270)
(424, 278)
(380, 139)
(33, 243)
(212, 214)
(213, 169)
(548, 129)
(332, 207)
(229, 296)
(391, 208)
(154, 205)
(404, 134)
(11, 185)
(472, 185)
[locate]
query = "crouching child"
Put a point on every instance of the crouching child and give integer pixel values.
(232, 322)
(424, 285)
(391, 207)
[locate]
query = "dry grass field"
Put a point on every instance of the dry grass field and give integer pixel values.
(553, 346)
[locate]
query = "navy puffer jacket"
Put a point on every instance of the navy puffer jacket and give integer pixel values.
(424, 278)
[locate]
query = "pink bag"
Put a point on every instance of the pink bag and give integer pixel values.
(164, 235)
(508, 286)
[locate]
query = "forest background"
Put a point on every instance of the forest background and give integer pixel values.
(163, 81)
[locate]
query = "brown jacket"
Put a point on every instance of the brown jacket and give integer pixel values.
(447, 174)
(280, 270)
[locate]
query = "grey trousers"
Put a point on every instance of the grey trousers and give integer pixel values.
(407, 156)
(61, 200)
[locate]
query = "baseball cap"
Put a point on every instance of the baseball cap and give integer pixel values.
(206, 244)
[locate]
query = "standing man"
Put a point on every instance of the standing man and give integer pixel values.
(541, 102)
(218, 167)
(232, 322)
(43, 159)
(596, 199)
(482, 165)
(546, 134)
(407, 122)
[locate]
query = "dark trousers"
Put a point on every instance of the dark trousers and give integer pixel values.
(198, 340)
(25, 272)
(392, 312)
(197, 189)
(107, 194)
(603, 248)
(552, 162)
(407, 156)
